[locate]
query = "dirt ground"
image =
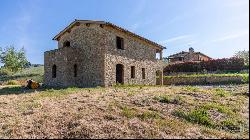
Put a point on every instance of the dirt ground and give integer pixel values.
(126, 112)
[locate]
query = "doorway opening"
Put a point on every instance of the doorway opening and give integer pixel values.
(119, 74)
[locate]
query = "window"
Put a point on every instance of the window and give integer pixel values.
(132, 71)
(157, 56)
(54, 71)
(75, 70)
(66, 44)
(143, 73)
(119, 43)
(180, 59)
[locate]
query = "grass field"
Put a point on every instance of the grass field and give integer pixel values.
(125, 112)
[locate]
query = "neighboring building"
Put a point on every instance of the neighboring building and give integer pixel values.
(98, 53)
(188, 56)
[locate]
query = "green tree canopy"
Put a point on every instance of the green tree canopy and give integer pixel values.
(13, 59)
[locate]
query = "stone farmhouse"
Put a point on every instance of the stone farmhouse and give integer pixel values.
(97, 53)
(191, 55)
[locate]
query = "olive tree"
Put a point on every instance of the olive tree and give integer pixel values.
(13, 59)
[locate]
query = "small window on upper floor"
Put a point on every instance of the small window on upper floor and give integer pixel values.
(66, 44)
(119, 43)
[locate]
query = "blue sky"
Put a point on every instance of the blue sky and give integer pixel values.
(217, 28)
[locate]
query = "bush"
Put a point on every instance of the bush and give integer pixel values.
(225, 64)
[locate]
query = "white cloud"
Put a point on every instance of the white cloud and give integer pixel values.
(182, 37)
(231, 36)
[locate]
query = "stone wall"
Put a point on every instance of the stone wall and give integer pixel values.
(202, 80)
(136, 53)
(93, 49)
(86, 51)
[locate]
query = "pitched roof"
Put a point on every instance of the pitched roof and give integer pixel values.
(180, 54)
(183, 54)
(71, 25)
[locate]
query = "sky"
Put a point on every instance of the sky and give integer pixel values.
(217, 28)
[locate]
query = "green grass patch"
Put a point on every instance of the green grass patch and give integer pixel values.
(219, 107)
(199, 116)
(129, 112)
(221, 92)
(168, 99)
(149, 115)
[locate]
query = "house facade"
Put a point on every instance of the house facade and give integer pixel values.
(191, 55)
(98, 53)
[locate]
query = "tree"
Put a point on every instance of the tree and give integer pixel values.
(244, 55)
(13, 59)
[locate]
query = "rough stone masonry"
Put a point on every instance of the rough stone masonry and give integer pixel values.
(98, 53)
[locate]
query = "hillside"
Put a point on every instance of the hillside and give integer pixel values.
(35, 73)
(125, 112)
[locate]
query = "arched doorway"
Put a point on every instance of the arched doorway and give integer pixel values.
(159, 77)
(119, 74)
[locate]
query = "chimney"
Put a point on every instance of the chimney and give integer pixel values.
(191, 49)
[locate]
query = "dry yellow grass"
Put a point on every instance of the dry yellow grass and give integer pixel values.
(125, 112)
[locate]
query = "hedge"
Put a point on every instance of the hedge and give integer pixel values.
(225, 64)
